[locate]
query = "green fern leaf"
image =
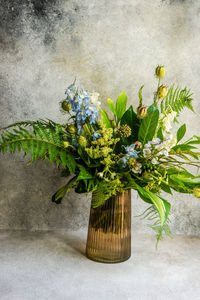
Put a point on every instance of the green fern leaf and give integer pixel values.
(43, 140)
(177, 99)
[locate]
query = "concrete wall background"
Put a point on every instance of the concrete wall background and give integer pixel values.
(108, 46)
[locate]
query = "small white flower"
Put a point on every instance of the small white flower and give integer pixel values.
(146, 152)
(100, 174)
(94, 99)
(156, 141)
(137, 168)
(154, 161)
(113, 175)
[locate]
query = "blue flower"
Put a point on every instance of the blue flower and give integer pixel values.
(122, 162)
(75, 143)
(131, 152)
(96, 135)
(81, 105)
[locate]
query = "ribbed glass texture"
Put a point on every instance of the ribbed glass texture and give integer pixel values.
(109, 232)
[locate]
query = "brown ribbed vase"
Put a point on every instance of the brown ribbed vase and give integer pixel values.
(109, 232)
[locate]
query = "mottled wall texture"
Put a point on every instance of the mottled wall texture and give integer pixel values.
(108, 45)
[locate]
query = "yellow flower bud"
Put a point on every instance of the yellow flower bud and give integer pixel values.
(197, 192)
(132, 161)
(138, 145)
(162, 91)
(66, 144)
(71, 129)
(113, 123)
(82, 141)
(160, 71)
(142, 111)
(65, 106)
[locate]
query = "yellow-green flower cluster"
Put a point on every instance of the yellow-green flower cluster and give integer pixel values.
(103, 146)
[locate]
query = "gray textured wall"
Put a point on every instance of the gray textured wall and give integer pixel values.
(108, 46)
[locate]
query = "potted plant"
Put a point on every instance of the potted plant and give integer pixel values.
(110, 156)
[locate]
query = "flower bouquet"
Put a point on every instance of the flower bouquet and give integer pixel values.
(109, 156)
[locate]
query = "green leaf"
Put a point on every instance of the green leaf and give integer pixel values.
(156, 200)
(106, 121)
(121, 105)
(166, 188)
(130, 118)
(148, 125)
(160, 134)
(181, 132)
(59, 195)
(84, 174)
(183, 147)
(112, 106)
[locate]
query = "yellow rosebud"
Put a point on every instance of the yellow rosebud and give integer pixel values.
(197, 192)
(82, 141)
(142, 111)
(66, 144)
(65, 106)
(71, 129)
(160, 71)
(162, 91)
(138, 145)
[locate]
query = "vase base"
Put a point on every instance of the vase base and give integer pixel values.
(106, 259)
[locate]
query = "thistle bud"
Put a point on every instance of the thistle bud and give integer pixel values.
(142, 111)
(124, 131)
(160, 71)
(138, 145)
(197, 192)
(65, 106)
(71, 129)
(66, 144)
(82, 141)
(162, 91)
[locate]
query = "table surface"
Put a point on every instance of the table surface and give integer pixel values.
(52, 265)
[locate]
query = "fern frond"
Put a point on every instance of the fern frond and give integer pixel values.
(47, 122)
(44, 140)
(177, 99)
(98, 198)
(151, 213)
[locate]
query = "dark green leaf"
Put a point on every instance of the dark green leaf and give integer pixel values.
(148, 125)
(59, 195)
(160, 134)
(181, 132)
(130, 118)
(84, 174)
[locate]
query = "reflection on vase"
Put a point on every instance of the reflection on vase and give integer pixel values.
(109, 232)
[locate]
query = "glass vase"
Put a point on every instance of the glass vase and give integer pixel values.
(109, 232)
